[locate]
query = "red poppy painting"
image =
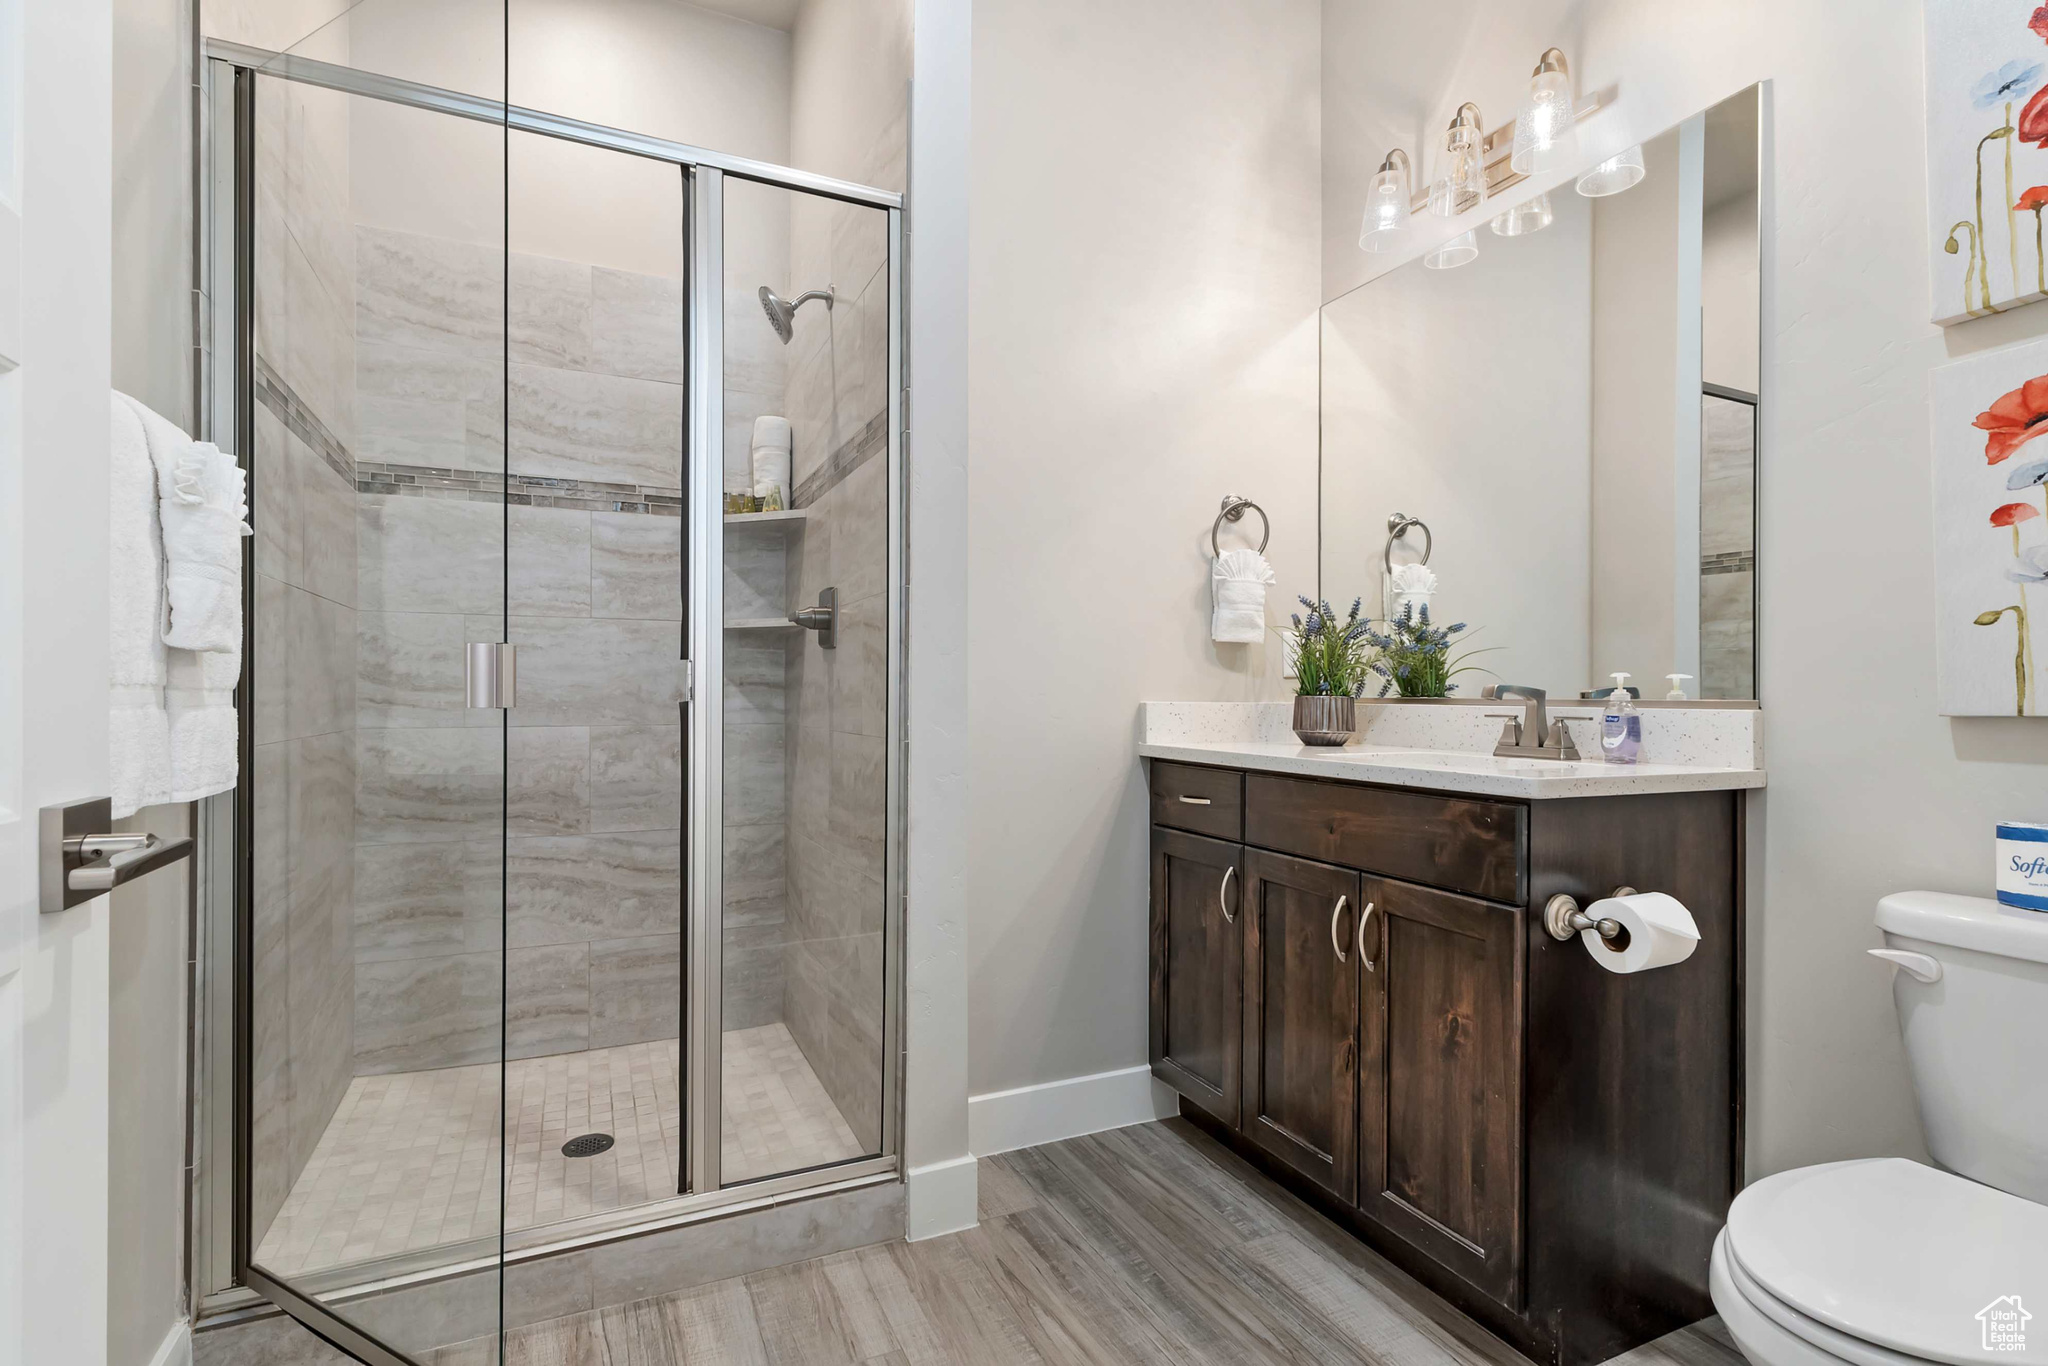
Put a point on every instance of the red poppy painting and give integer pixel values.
(1987, 157)
(2015, 419)
(1991, 531)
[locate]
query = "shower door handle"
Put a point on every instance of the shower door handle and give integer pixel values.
(492, 674)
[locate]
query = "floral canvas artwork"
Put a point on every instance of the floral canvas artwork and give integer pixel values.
(1987, 156)
(1991, 531)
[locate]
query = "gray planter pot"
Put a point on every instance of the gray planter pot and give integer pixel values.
(1325, 720)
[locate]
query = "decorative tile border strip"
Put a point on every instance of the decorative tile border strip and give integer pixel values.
(872, 437)
(489, 486)
(301, 421)
(1729, 562)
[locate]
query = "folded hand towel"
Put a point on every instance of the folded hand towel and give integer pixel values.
(193, 501)
(202, 511)
(1239, 579)
(139, 735)
(771, 431)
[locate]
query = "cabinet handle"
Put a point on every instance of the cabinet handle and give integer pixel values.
(1336, 942)
(1223, 895)
(1197, 801)
(1364, 918)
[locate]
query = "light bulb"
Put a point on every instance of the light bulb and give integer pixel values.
(1531, 215)
(1386, 204)
(1460, 184)
(1545, 119)
(1614, 175)
(1458, 251)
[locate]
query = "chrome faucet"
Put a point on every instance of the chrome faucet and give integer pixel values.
(1530, 735)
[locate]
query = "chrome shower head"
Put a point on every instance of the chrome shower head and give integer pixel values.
(782, 313)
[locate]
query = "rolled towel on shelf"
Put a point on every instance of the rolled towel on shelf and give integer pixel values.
(770, 457)
(1238, 579)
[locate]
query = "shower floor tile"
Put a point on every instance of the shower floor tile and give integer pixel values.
(410, 1159)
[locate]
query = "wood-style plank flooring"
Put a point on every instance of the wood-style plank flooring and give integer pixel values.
(1151, 1244)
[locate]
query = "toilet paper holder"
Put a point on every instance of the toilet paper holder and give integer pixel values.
(1565, 921)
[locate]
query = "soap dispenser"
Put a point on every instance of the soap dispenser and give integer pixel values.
(1678, 682)
(1621, 725)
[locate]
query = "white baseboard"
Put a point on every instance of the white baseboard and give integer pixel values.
(176, 1348)
(940, 1198)
(1052, 1110)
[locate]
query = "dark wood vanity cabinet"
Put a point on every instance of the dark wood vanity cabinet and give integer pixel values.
(1352, 986)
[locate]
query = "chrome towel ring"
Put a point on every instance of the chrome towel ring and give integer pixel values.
(1397, 527)
(1234, 509)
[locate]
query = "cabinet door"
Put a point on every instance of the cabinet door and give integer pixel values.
(1301, 1016)
(1440, 1152)
(1198, 969)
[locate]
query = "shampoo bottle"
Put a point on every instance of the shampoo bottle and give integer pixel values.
(1621, 725)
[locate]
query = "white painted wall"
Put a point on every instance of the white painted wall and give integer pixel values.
(941, 1194)
(1143, 342)
(1437, 383)
(1870, 791)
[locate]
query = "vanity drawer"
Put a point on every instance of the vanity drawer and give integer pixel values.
(1464, 844)
(1208, 801)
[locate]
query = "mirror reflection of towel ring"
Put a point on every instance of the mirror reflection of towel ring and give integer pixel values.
(1397, 527)
(1234, 509)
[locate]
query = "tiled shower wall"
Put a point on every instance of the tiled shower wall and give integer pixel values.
(304, 760)
(837, 738)
(591, 560)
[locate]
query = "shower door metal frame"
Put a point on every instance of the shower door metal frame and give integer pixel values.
(223, 1282)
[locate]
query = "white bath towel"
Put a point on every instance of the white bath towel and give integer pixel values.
(139, 728)
(189, 747)
(203, 515)
(770, 457)
(1238, 579)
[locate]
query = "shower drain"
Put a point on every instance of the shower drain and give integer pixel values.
(587, 1145)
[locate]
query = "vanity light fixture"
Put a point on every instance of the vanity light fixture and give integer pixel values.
(1460, 250)
(1545, 119)
(1614, 175)
(1386, 204)
(1531, 215)
(1461, 170)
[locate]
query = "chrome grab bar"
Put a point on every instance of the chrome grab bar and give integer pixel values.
(1335, 942)
(80, 860)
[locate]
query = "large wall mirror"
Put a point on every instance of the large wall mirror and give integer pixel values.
(1572, 415)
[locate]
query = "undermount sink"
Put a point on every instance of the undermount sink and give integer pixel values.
(1459, 762)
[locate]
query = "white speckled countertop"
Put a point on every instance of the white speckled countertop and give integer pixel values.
(1450, 748)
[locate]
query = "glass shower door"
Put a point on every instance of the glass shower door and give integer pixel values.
(371, 1174)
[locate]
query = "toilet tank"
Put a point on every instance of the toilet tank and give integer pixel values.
(1977, 1038)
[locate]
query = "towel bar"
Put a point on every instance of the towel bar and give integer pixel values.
(80, 860)
(1234, 509)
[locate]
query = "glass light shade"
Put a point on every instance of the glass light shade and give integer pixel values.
(1460, 250)
(1386, 211)
(1544, 122)
(1531, 215)
(1461, 182)
(1614, 175)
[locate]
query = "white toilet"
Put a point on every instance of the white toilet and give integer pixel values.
(1885, 1262)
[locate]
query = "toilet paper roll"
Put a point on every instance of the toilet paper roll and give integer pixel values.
(1657, 931)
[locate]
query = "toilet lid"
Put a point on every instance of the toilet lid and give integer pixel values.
(1902, 1255)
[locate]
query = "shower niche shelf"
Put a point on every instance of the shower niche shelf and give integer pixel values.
(784, 518)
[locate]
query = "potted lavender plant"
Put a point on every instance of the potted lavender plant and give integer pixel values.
(1415, 658)
(1331, 661)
